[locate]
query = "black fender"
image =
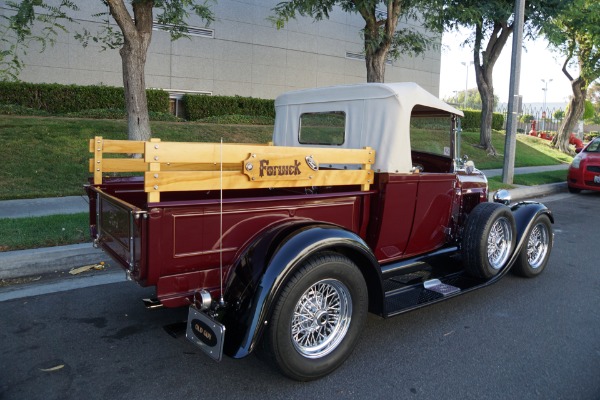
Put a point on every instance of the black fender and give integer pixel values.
(264, 267)
(525, 214)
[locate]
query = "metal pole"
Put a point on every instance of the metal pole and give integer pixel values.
(508, 171)
(466, 87)
(545, 89)
(466, 64)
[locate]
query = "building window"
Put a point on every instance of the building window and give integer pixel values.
(176, 100)
(191, 30)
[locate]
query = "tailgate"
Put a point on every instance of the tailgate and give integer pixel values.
(120, 231)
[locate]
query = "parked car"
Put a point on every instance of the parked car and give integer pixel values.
(584, 172)
(363, 203)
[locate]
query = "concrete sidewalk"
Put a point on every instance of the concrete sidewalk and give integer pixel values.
(16, 264)
(527, 170)
(41, 207)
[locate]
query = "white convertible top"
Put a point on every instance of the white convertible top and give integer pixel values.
(377, 115)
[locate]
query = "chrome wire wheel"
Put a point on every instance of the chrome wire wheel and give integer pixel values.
(499, 243)
(321, 318)
(537, 245)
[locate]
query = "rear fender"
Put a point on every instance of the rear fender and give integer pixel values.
(263, 269)
(525, 214)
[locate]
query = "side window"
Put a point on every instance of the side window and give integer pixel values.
(431, 135)
(322, 128)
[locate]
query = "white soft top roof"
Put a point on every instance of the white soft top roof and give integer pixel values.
(377, 115)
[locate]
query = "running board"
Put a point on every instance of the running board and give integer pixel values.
(418, 289)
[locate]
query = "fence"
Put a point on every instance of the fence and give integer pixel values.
(544, 119)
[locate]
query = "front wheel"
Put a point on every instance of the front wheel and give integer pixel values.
(534, 256)
(488, 240)
(318, 317)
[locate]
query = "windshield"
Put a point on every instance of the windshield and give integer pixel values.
(593, 147)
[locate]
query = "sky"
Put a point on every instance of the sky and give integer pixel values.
(537, 62)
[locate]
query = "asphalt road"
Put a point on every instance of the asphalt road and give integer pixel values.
(519, 339)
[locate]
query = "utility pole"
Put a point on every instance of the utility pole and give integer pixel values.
(545, 89)
(510, 144)
(466, 64)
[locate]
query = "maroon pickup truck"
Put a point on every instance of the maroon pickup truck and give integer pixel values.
(362, 204)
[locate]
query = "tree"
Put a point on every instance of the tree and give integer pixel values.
(575, 33)
(594, 96)
(473, 99)
(16, 34)
(382, 39)
(491, 23)
(559, 115)
(133, 39)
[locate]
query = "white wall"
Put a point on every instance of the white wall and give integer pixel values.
(246, 57)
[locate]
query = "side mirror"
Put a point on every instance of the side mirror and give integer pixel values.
(578, 150)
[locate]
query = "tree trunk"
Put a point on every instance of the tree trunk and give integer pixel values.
(486, 92)
(574, 113)
(137, 33)
(134, 59)
(378, 43)
(375, 67)
(484, 67)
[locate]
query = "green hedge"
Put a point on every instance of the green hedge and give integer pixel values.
(472, 120)
(202, 106)
(60, 99)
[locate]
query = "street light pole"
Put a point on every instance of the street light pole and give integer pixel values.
(514, 99)
(466, 64)
(545, 89)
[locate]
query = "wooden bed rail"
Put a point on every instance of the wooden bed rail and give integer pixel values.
(179, 166)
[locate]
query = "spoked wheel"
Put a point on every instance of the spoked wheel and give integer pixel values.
(534, 256)
(318, 317)
(321, 318)
(488, 240)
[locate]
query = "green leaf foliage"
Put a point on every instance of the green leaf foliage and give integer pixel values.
(198, 107)
(60, 99)
(472, 120)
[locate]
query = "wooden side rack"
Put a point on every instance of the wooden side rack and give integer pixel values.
(178, 166)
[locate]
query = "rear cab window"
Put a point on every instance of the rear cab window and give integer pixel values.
(323, 128)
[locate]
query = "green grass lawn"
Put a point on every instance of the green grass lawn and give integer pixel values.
(531, 151)
(538, 178)
(48, 156)
(34, 232)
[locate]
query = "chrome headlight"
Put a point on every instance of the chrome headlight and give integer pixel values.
(576, 161)
(502, 196)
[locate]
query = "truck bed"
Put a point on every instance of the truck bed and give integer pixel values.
(175, 244)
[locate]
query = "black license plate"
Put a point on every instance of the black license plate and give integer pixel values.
(205, 333)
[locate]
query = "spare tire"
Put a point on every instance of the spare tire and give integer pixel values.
(488, 240)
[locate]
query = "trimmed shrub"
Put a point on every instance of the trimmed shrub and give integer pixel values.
(201, 106)
(62, 99)
(238, 120)
(526, 118)
(497, 121)
(472, 120)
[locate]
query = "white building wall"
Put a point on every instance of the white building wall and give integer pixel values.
(246, 57)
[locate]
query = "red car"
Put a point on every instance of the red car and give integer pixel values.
(584, 172)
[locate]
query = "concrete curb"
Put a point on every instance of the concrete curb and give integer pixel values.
(528, 192)
(22, 263)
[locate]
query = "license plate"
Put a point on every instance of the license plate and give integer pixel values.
(205, 333)
(597, 179)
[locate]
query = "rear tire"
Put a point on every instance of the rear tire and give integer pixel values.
(488, 240)
(318, 318)
(536, 251)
